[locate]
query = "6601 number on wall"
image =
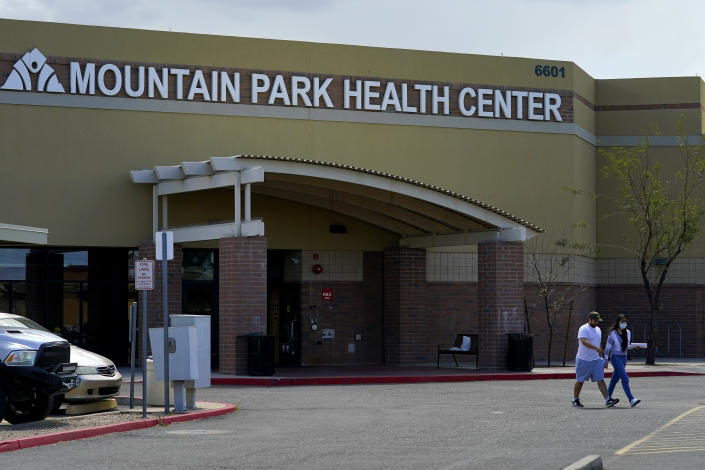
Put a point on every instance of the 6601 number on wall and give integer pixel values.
(549, 71)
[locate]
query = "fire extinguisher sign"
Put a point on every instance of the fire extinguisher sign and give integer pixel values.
(327, 294)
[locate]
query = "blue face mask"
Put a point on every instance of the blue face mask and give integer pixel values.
(622, 325)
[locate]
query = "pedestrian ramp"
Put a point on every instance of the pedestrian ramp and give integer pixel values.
(685, 433)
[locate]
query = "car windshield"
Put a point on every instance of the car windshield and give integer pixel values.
(20, 322)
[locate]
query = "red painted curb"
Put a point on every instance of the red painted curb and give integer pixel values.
(53, 438)
(356, 380)
(7, 446)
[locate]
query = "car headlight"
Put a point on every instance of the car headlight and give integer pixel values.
(86, 370)
(21, 358)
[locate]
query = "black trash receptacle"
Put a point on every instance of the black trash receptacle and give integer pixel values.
(260, 355)
(520, 352)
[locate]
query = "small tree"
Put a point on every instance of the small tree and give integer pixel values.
(665, 210)
(548, 266)
(548, 262)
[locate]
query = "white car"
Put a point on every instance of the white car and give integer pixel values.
(98, 378)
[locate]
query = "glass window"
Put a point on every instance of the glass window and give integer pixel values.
(13, 264)
(198, 265)
(132, 255)
(72, 306)
(19, 302)
(5, 293)
(69, 265)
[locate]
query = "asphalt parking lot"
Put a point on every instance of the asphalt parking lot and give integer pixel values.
(492, 425)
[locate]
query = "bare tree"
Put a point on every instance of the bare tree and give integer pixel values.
(548, 262)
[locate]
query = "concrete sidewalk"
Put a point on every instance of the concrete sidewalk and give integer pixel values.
(448, 372)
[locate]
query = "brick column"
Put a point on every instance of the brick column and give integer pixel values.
(242, 264)
(155, 317)
(500, 272)
(406, 339)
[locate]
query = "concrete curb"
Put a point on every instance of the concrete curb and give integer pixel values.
(591, 462)
(53, 438)
(398, 379)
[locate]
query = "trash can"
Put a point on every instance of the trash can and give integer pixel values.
(155, 388)
(260, 355)
(520, 352)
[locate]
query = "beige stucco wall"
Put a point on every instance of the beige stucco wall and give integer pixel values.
(615, 232)
(614, 226)
(630, 91)
(197, 49)
(67, 168)
(80, 189)
(74, 176)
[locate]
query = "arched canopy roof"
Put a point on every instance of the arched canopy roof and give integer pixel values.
(422, 214)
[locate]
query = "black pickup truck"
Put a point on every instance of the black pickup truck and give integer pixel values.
(34, 367)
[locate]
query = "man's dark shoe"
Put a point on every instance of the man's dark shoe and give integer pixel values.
(576, 403)
(611, 402)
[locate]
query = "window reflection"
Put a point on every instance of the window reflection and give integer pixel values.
(68, 265)
(198, 265)
(50, 285)
(132, 255)
(19, 303)
(12, 263)
(5, 296)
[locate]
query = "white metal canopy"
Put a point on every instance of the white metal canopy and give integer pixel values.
(424, 215)
(23, 234)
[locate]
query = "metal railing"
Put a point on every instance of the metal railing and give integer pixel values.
(680, 338)
(671, 324)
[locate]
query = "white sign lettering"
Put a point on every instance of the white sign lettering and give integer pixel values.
(282, 89)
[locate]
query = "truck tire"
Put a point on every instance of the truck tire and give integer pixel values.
(36, 410)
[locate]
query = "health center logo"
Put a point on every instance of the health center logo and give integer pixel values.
(31, 63)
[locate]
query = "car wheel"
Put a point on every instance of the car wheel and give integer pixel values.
(32, 411)
(3, 404)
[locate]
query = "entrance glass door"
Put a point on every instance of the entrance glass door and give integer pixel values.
(200, 291)
(201, 298)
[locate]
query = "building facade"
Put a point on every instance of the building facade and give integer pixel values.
(361, 205)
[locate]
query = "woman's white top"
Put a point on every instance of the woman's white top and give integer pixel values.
(614, 344)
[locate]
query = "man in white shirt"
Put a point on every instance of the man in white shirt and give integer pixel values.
(589, 363)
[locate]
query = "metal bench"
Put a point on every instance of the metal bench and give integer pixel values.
(473, 351)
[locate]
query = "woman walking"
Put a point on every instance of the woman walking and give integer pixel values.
(619, 342)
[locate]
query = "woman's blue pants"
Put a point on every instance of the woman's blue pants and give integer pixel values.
(619, 362)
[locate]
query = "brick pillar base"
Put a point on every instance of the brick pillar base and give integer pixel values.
(500, 270)
(405, 323)
(155, 316)
(242, 271)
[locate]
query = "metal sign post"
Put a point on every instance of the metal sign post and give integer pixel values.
(133, 345)
(164, 242)
(144, 355)
(144, 281)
